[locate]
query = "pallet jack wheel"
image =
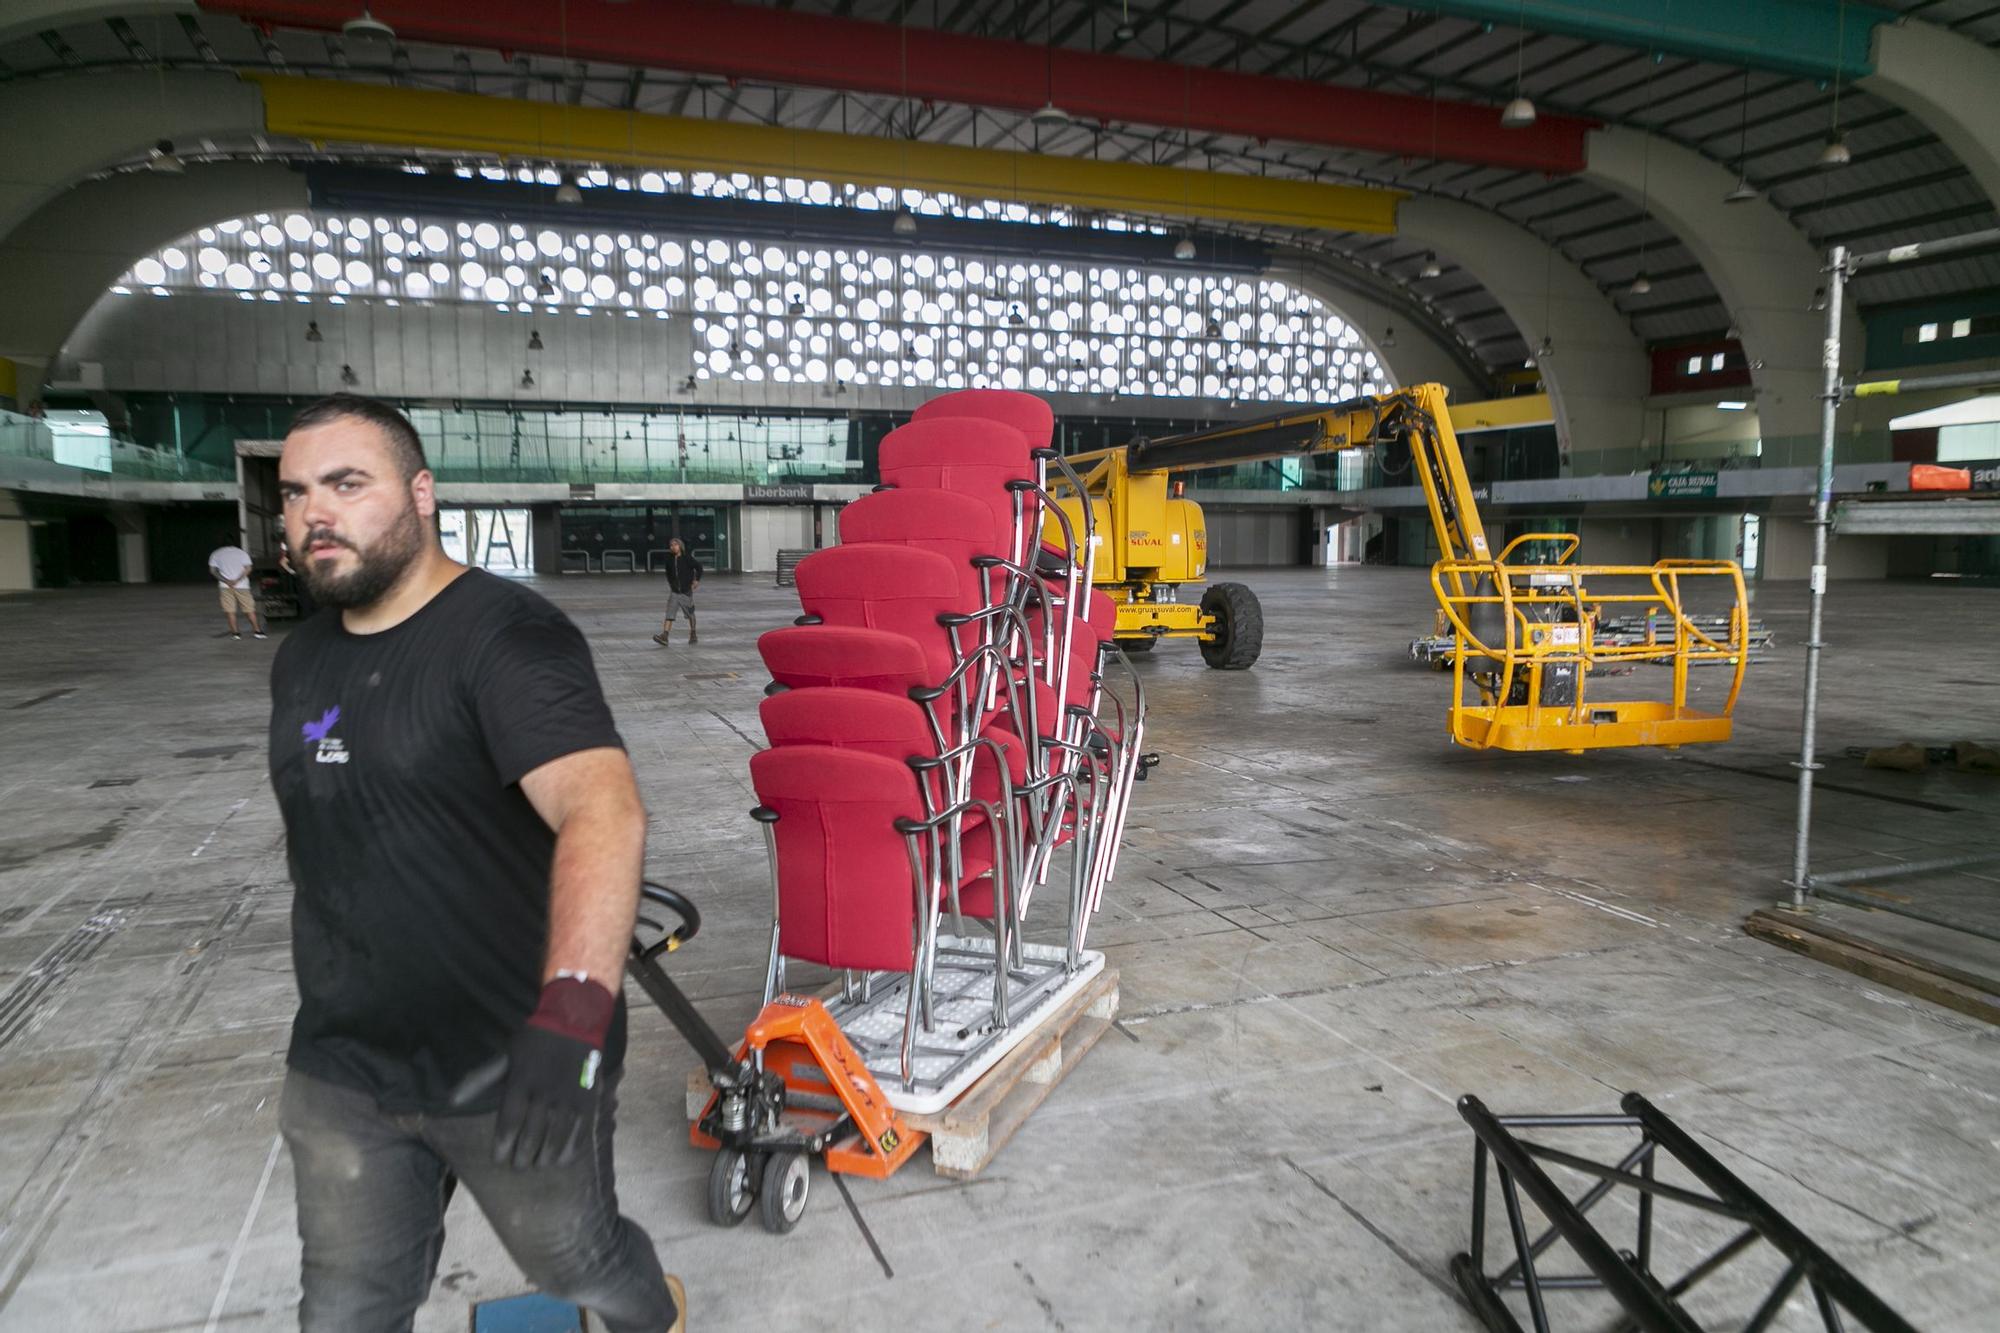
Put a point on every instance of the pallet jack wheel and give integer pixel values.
(732, 1187)
(782, 1200)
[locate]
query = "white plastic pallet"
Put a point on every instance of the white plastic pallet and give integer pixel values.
(958, 1049)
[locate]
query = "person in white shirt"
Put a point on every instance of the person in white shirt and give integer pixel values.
(231, 567)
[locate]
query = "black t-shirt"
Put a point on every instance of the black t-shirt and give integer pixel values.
(420, 869)
(683, 572)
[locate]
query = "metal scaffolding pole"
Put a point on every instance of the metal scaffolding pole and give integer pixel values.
(1836, 284)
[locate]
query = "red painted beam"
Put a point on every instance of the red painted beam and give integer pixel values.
(823, 51)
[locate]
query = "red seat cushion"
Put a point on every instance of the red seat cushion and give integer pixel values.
(895, 588)
(957, 527)
(808, 655)
(847, 718)
(1023, 411)
(971, 456)
(844, 893)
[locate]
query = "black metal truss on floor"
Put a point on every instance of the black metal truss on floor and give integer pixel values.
(1650, 1303)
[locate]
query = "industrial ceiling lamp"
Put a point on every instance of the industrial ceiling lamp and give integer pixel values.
(906, 223)
(534, 340)
(1125, 32)
(1388, 337)
(567, 193)
(1743, 193)
(1184, 248)
(1519, 113)
(1640, 284)
(313, 334)
(1048, 114)
(368, 28)
(1835, 153)
(1546, 350)
(348, 377)
(1431, 268)
(527, 379)
(164, 159)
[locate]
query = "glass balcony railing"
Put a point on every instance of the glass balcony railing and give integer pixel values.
(71, 452)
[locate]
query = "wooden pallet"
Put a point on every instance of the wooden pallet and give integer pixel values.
(1927, 978)
(967, 1135)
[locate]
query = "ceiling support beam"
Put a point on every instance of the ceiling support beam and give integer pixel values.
(926, 64)
(323, 110)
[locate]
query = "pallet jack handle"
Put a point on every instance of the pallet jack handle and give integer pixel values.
(642, 964)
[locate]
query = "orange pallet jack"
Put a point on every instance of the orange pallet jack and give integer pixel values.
(793, 1090)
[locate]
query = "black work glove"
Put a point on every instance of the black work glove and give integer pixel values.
(549, 1100)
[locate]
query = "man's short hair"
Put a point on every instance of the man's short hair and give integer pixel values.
(404, 442)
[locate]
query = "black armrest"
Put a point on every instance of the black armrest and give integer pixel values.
(808, 620)
(764, 814)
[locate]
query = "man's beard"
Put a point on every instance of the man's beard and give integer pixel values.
(376, 570)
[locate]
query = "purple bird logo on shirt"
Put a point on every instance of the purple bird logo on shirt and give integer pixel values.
(316, 731)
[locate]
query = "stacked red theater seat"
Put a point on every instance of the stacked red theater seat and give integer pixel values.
(938, 720)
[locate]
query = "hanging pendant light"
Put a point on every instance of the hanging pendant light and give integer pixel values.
(1388, 337)
(1518, 114)
(1050, 115)
(1640, 284)
(567, 193)
(1835, 154)
(534, 340)
(906, 223)
(1125, 32)
(1184, 248)
(1431, 268)
(164, 159)
(368, 28)
(1742, 194)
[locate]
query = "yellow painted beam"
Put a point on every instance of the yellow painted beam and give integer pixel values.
(1527, 409)
(329, 110)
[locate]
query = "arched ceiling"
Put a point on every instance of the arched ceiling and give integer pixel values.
(1902, 185)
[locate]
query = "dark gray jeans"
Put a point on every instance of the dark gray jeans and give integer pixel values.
(372, 1190)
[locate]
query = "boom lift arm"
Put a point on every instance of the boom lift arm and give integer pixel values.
(1522, 633)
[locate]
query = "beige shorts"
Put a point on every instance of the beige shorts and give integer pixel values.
(238, 599)
(680, 604)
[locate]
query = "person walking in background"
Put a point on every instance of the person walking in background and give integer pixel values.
(683, 578)
(230, 564)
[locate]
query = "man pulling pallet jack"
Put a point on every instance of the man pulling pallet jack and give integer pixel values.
(465, 840)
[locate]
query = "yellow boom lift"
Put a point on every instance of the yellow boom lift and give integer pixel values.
(1522, 629)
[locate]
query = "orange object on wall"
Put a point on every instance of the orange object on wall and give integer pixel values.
(1931, 477)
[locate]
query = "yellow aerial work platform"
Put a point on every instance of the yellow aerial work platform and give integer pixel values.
(1522, 624)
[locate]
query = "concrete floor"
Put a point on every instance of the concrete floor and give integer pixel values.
(1329, 922)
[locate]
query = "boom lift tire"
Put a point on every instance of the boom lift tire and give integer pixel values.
(1239, 627)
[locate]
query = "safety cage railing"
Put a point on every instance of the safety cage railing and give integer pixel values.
(1524, 641)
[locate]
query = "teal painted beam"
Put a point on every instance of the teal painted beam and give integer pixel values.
(1814, 38)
